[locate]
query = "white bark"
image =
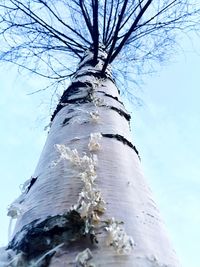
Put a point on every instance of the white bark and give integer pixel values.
(119, 178)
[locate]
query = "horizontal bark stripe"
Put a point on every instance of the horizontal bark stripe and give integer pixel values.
(122, 139)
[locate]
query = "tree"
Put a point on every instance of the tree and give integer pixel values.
(88, 180)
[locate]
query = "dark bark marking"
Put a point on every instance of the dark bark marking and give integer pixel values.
(96, 74)
(37, 237)
(47, 259)
(72, 90)
(58, 108)
(120, 112)
(66, 121)
(70, 110)
(33, 180)
(150, 215)
(114, 97)
(80, 100)
(90, 61)
(123, 140)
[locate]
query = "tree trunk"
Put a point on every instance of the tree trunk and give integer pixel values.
(87, 183)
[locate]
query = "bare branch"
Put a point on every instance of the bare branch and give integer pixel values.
(110, 32)
(86, 17)
(130, 31)
(46, 37)
(95, 8)
(114, 40)
(63, 22)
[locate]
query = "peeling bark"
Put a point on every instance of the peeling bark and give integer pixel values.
(39, 237)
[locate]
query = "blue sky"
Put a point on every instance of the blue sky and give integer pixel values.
(166, 131)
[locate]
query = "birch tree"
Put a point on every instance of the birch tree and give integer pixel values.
(87, 203)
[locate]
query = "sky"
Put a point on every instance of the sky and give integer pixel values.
(165, 128)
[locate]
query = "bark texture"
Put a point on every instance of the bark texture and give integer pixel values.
(52, 229)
